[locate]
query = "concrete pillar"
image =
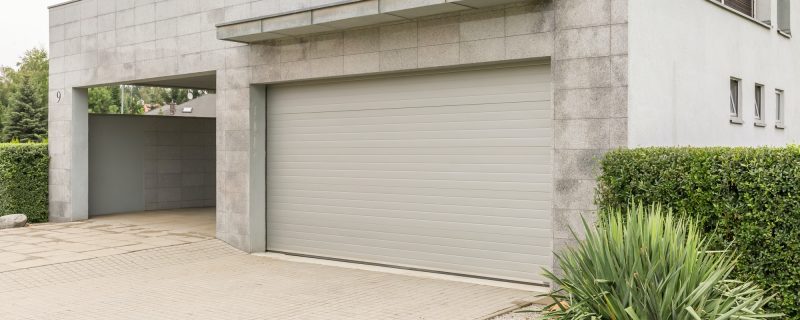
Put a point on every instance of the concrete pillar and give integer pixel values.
(69, 154)
(590, 105)
(241, 145)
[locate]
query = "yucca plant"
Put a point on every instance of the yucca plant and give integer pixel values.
(650, 265)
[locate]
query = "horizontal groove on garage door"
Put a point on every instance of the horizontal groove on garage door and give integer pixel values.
(446, 171)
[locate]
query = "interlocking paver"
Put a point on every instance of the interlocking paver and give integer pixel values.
(180, 274)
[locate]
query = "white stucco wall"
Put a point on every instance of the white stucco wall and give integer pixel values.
(682, 55)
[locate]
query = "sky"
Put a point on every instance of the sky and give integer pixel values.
(24, 24)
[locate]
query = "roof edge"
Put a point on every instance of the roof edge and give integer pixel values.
(62, 4)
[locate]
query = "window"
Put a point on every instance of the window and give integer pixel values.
(759, 106)
(736, 116)
(784, 17)
(780, 111)
(746, 7)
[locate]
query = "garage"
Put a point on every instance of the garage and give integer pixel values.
(446, 171)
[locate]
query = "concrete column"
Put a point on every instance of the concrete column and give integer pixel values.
(591, 105)
(241, 145)
(69, 153)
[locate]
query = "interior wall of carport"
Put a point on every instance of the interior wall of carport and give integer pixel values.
(144, 163)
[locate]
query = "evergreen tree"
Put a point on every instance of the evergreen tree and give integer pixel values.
(25, 120)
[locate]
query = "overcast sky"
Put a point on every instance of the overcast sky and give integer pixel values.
(23, 25)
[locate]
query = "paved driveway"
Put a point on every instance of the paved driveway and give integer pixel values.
(121, 268)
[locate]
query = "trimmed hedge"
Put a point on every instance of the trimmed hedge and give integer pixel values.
(24, 180)
(748, 198)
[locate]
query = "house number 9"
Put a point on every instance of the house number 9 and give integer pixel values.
(58, 95)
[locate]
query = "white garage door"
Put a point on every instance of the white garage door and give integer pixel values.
(448, 171)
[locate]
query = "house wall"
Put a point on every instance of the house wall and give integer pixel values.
(139, 163)
(682, 55)
(99, 42)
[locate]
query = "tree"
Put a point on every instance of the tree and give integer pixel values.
(105, 100)
(25, 120)
(102, 100)
(34, 68)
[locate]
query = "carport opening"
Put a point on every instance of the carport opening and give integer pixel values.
(152, 153)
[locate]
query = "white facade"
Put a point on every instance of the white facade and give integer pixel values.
(682, 56)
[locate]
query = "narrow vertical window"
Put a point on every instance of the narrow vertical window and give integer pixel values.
(784, 17)
(759, 106)
(736, 116)
(780, 111)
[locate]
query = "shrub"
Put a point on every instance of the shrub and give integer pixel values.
(649, 265)
(745, 198)
(24, 180)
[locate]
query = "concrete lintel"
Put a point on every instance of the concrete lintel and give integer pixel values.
(482, 3)
(342, 15)
(401, 8)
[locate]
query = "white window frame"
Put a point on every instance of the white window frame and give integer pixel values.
(758, 105)
(780, 108)
(735, 103)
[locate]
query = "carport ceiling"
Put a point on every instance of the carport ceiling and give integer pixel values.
(206, 81)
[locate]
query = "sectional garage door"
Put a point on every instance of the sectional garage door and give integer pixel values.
(447, 171)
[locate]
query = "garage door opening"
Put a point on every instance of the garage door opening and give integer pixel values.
(448, 171)
(152, 156)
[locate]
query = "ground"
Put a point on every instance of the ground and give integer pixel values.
(167, 265)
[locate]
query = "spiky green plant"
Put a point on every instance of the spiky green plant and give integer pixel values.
(649, 265)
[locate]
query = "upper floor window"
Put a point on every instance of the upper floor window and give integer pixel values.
(784, 16)
(780, 111)
(746, 7)
(758, 10)
(759, 106)
(736, 96)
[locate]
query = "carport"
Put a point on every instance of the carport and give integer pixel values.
(149, 167)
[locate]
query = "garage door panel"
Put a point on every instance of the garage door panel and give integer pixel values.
(420, 128)
(452, 85)
(447, 171)
(418, 175)
(445, 184)
(536, 218)
(420, 143)
(418, 167)
(344, 225)
(524, 107)
(307, 156)
(411, 191)
(489, 201)
(430, 86)
(423, 207)
(398, 135)
(497, 154)
(414, 259)
(433, 245)
(533, 118)
(401, 105)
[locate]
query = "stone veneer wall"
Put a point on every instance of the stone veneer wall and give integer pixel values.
(97, 42)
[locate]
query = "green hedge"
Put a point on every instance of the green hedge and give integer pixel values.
(23, 180)
(748, 198)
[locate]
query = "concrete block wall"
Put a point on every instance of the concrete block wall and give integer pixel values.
(97, 42)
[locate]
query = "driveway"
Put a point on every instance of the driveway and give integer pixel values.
(170, 267)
